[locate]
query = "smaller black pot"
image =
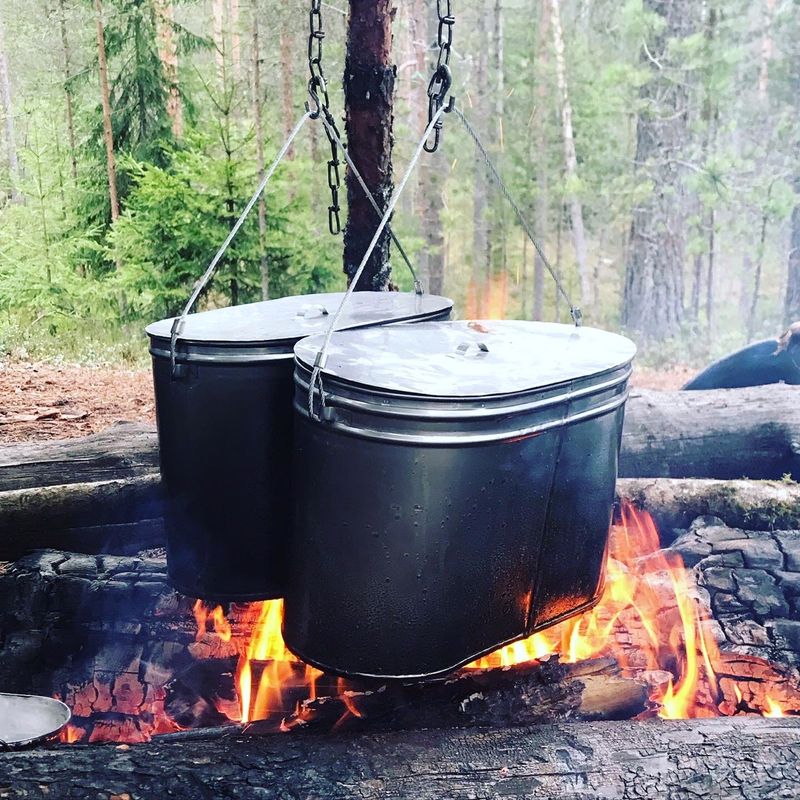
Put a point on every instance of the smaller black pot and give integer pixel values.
(225, 433)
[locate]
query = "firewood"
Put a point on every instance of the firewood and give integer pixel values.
(674, 503)
(724, 433)
(734, 757)
(126, 450)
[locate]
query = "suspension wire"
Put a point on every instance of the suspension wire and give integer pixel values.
(335, 134)
(200, 285)
(319, 362)
(575, 311)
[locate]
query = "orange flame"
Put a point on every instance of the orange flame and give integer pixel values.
(773, 708)
(647, 589)
(217, 616)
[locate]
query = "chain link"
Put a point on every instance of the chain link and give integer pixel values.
(442, 78)
(318, 90)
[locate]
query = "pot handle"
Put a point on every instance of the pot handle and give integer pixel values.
(472, 349)
(312, 311)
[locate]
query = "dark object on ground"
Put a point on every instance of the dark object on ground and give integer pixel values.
(759, 364)
(743, 757)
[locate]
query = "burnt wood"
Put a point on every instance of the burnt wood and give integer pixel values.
(721, 758)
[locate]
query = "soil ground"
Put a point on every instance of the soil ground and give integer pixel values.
(49, 401)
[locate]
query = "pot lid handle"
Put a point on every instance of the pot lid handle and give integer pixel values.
(312, 311)
(472, 349)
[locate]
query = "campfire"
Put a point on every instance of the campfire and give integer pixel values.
(653, 629)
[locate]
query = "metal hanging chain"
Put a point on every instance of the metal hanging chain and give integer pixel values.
(442, 78)
(318, 89)
(335, 134)
(319, 362)
(575, 312)
(178, 323)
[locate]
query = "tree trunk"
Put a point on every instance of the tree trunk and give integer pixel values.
(8, 108)
(570, 157)
(431, 183)
(105, 98)
(73, 152)
(791, 305)
(369, 78)
(259, 126)
(168, 52)
(236, 39)
(497, 227)
(741, 757)
(218, 10)
(653, 295)
(540, 121)
(751, 317)
(287, 85)
(481, 246)
(767, 47)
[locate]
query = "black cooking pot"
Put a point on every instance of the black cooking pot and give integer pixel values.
(225, 432)
(457, 490)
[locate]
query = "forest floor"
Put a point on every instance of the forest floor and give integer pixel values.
(59, 401)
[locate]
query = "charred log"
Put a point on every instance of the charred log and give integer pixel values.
(621, 759)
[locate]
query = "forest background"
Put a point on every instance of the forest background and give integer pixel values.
(654, 146)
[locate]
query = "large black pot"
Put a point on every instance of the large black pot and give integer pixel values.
(457, 491)
(225, 433)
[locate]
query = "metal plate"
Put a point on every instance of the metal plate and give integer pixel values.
(26, 719)
(468, 359)
(292, 318)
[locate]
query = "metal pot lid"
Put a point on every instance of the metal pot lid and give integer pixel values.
(293, 318)
(468, 359)
(25, 719)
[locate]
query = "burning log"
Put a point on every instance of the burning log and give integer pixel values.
(612, 759)
(123, 650)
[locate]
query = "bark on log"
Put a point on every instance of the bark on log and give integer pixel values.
(674, 503)
(725, 434)
(731, 758)
(125, 516)
(122, 516)
(127, 450)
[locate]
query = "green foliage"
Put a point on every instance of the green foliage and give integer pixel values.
(177, 216)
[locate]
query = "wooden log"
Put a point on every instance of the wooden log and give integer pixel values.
(674, 503)
(725, 434)
(743, 757)
(126, 450)
(122, 516)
